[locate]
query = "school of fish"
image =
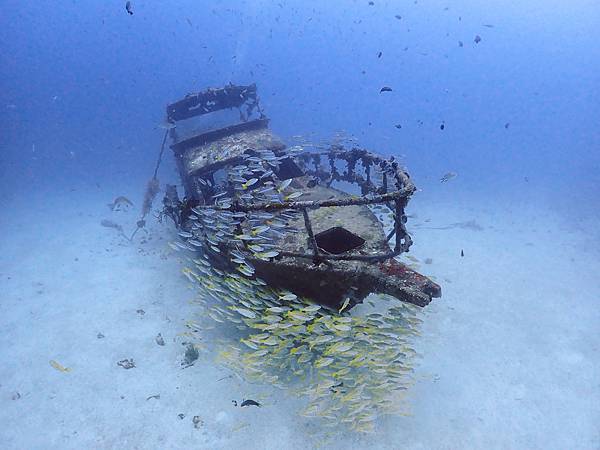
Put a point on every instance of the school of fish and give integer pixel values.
(352, 366)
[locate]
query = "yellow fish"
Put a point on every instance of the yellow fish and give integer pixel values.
(59, 366)
(346, 302)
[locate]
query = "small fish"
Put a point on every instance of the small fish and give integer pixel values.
(379, 54)
(448, 177)
(245, 312)
(312, 308)
(298, 316)
(245, 270)
(462, 253)
(249, 183)
(59, 366)
(129, 8)
(277, 309)
(110, 224)
(284, 184)
(442, 126)
(323, 362)
(119, 202)
(344, 305)
(385, 89)
(259, 230)
(293, 195)
(488, 25)
(273, 340)
(322, 339)
(342, 327)
(250, 403)
(250, 344)
(304, 358)
(271, 254)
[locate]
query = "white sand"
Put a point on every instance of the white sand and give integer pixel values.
(511, 353)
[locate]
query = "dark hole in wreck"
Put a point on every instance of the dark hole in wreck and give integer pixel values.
(338, 240)
(288, 169)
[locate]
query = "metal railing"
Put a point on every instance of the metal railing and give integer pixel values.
(393, 191)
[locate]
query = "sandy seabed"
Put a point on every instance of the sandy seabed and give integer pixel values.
(510, 354)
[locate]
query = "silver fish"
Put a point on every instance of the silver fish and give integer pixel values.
(448, 176)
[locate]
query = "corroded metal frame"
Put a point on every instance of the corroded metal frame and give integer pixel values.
(396, 199)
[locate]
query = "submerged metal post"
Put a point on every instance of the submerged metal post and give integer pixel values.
(397, 223)
(311, 237)
(400, 229)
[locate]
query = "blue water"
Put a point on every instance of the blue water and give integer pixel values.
(84, 86)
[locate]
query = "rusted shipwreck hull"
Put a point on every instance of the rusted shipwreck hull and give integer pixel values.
(324, 207)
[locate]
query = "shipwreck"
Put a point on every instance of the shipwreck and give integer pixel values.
(325, 222)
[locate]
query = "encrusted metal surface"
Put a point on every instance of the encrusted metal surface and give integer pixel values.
(213, 99)
(215, 154)
(357, 219)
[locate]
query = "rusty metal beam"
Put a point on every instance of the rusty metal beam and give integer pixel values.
(211, 100)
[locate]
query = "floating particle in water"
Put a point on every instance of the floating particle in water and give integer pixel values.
(477, 39)
(385, 89)
(120, 203)
(129, 8)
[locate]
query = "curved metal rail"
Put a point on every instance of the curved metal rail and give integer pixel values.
(311, 163)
